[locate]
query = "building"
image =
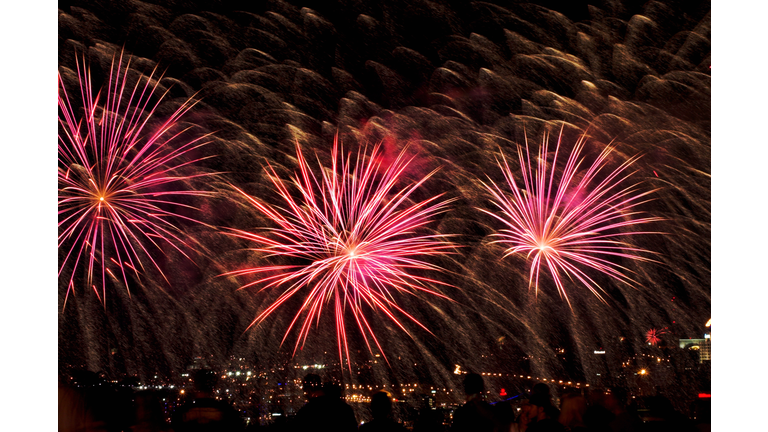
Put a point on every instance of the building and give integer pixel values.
(703, 346)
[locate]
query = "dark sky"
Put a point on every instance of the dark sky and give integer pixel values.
(460, 81)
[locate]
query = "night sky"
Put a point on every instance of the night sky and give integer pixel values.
(456, 81)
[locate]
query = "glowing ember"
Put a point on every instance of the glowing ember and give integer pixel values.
(653, 336)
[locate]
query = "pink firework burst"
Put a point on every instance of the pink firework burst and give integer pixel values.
(572, 220)
(653, 336)
(356, 233)
(118, 176)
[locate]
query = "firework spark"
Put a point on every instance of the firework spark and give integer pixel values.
(653, 336)
(118, 175)
(572, 221)
(357, 236)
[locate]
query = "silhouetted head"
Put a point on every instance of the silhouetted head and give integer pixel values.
(541, 389)
(332, 390)
(312, 383)
(539, 400)
(473, 384)
(205, 380)
(381, 405)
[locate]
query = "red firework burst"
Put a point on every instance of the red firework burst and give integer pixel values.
(653, 336)
(356, 234)
(118, 173)
(572, 221)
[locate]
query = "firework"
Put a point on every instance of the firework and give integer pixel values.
(653, 336)
(356, 235)
(573, 221)
(118, 176)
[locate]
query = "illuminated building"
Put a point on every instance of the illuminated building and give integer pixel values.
(703, 346)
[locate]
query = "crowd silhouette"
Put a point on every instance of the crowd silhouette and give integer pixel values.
(90, 407)
(381, 410)
(205, 413)
(325, 408)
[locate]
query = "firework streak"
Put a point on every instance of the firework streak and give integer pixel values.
(357, 237)
(118, 174)
(572, 221)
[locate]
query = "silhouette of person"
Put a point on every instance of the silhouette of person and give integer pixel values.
(572, 409)
(539, 406)
(429, 420)
(597, 417)
(381, 409)
(546, 415)
(312, 410)
(204, 412)
(505, 415)
(312, 386)
(325, 410)
(476, 414)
